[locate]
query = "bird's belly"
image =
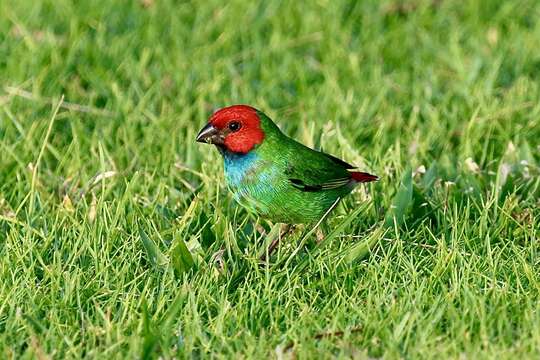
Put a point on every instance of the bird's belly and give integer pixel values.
(284, 204)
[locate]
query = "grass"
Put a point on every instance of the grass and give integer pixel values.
(118, 238)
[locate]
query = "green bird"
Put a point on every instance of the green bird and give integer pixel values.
(273, 175)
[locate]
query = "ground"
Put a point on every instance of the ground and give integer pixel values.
(118, 238)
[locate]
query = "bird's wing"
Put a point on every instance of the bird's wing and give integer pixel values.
(310, 170)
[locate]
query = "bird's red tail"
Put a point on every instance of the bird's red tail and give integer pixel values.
(363, 177)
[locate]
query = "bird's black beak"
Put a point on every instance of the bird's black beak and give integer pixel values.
(210, 135)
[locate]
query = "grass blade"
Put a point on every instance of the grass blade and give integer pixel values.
(155, 256)
(182, 260)
(401, 202)
(360, 250)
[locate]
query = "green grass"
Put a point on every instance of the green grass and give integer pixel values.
(118, 237)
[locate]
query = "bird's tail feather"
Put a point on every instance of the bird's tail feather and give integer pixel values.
(363, 177)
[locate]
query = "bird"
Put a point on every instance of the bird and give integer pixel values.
(273, 175)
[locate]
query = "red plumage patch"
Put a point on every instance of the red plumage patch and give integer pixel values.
(250, 133)
(363, 177)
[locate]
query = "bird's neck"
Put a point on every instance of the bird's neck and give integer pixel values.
(237, 165)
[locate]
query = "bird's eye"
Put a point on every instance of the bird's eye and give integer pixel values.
(234, 126)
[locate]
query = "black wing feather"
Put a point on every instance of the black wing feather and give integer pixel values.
(333, 175)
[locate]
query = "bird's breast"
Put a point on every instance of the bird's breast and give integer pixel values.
(251, 179)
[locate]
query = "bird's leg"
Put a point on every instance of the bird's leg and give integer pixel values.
(285, 229)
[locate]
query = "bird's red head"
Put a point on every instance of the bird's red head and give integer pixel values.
(237, 128)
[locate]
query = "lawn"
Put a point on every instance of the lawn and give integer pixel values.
(119, 239)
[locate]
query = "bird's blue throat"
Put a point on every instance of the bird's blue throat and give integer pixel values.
(237, 165)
